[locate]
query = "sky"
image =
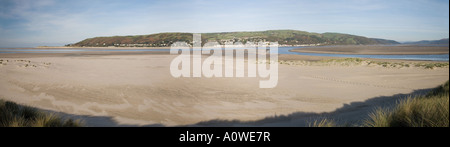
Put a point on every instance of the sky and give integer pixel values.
(29, 23)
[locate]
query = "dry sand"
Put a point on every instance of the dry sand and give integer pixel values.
(127, 90)
(377, 50)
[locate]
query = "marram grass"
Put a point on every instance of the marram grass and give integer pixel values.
(14, 115)
(323, 123)
(431, 110)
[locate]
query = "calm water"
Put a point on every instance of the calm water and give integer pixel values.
(281, 50)
(442, 57)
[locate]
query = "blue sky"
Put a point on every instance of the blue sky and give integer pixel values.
(27, 23)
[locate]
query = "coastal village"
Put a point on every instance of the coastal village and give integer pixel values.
(222, 42)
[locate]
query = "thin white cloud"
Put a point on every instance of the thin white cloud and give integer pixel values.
(23, 8)
(47, 21)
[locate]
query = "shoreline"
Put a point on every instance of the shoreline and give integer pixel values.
(344, 49)
(397, 53)
(68, 47)
(292, 57)
(377, 50)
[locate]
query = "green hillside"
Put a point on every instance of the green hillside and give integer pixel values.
(442, 42)
(283, 37)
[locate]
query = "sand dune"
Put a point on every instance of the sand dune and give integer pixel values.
(139, 90)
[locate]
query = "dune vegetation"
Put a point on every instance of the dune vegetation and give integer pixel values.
(431, 110)
(368, 62)
(15, 115)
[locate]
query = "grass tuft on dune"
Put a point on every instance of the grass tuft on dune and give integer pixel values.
(14, 115)
(368, 62)
(323, 123)
(431, 110)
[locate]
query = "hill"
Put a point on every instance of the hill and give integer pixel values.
(442, 41)
(283, 37)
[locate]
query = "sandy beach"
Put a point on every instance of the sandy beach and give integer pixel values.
(377, 50)
(137, 90)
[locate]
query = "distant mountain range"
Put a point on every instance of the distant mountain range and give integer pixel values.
(442, 41)
(283, 37)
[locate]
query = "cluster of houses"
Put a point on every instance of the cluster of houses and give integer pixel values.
(190, 45)
(221, 42)
(141, 45)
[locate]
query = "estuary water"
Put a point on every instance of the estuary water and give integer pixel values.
(281, 50)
